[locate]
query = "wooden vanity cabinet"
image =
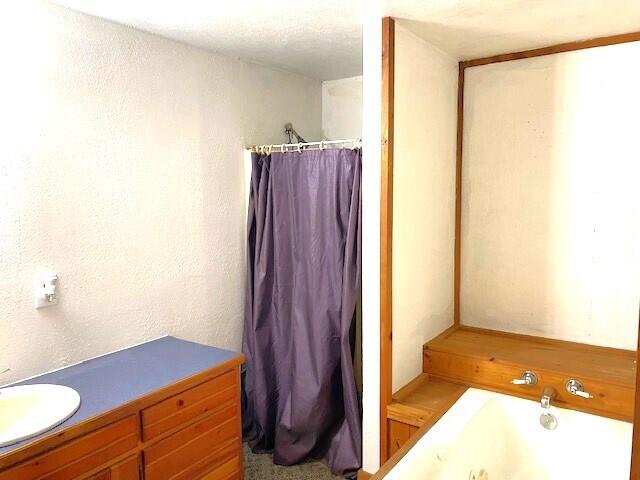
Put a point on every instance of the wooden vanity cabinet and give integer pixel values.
(129, 468)
(188, 431)
(79, 457)
(204, 432)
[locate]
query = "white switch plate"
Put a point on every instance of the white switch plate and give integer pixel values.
(45, 285)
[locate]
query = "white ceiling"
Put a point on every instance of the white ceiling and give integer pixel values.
(323, 38)
(470, 29)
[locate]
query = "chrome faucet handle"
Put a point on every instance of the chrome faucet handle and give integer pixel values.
(575, 387)
(528, 377)
(548, 394)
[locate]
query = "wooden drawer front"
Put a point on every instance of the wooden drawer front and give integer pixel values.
(78, 457)
(189, 405)
(230, 470)
(399, 433)
(198, 449)
(128, 469)
(609, 399)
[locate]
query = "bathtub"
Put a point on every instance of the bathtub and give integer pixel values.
(490, 436)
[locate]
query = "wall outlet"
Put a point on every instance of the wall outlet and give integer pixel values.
(45, 289)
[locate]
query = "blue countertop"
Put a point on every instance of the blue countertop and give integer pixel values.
(108, 382)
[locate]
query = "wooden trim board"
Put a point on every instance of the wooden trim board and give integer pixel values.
(635, 443)
(422, 398)
(559, 48)
(458, 205)
(490, 360)
(386, 226)
(362, 475)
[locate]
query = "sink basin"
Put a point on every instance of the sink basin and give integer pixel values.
(29, 410)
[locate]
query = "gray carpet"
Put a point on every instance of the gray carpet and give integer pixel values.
(261, 467)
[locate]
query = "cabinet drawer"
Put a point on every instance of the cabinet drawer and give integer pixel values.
(128, 469)
(189, 405)
(230, 470)
(76, 458)
(198, 449)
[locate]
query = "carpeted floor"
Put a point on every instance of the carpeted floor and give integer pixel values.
(261, 467)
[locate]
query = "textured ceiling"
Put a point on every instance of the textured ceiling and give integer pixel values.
(470, 29)
(323, 38)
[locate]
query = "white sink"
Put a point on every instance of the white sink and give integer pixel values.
(28, 410)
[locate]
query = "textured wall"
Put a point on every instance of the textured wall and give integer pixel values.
(342, 108)
(551, 211)
(121, 169)
(371, 88)
(424, 168)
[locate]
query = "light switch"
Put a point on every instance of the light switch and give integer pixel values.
(45, 289)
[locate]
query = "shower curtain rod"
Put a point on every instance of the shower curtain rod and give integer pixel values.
(299, 147)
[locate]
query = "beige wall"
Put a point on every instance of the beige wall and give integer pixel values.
(342, 108)
(426, 83)
(551, 209)
(371, 138)
(121, 169)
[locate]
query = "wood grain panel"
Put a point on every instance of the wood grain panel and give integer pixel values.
(386, 228)
(490, 360)
(128, 469)
(399, 434)
(422, 399)
(216, 455)
(177, 454)
(81, 456)
(188, 405)
(229, 469)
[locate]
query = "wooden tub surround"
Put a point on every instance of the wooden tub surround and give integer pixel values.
(420, 403)
(166, 409)
(490, 360)
(463, 356)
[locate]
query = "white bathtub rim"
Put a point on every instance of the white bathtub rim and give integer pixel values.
(449, 427)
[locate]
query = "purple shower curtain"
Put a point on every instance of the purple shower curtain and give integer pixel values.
(303, 273)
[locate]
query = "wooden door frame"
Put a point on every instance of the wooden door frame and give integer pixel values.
(386, 210)
(386, 228)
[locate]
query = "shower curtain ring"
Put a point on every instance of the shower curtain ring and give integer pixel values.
(300, 147)
(322, 145)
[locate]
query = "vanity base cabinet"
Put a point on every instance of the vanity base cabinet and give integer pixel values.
(203, 447)
(190, 430)
(128, 469)
(79, 457)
